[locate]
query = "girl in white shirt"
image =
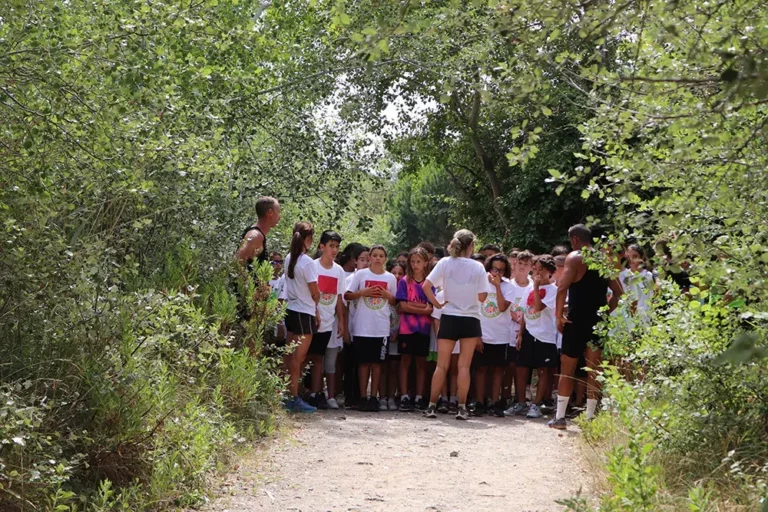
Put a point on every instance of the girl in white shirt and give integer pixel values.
(464, 283)
(303, 294)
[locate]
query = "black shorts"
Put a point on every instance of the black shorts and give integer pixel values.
(576, 337)
(371, 350)
(416, 345)
(512, 354)
(456, 328)
(300, 323)
(492, 355)
(319, 343)
(537, 354)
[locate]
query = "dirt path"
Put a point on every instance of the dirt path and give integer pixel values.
(346, 460)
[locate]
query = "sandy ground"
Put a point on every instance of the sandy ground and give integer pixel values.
(350, 461)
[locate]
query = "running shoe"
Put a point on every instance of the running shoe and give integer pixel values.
(309, 399)
(462, 414)
(498, 409)
(320, 401)
(340, 400)
(383, 405)
(442, 406)
(373, 404)
(453, 407)
(333, 404)
(296, 404)
(517, 408)
(478, 409)
(547, 407)
(534, 411)
(430, 412)
(557, 424)
(391, 404)
(406, 405)
(421, 404)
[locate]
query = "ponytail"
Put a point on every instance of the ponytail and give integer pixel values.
(301, 231)
(462, 239)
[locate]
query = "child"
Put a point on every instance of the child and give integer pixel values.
(360, 260)
(389, 382)
(536, 344)
(303, 295)
(331, 282)
(448, 403)
(521, 285)
(413, 339)
(496, 326)
(638, 283)
(376, 288)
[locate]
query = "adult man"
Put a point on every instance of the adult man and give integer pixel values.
(586, 291)
(253, 245)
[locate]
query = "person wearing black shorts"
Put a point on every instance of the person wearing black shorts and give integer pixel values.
(301, 318)
(537, 341)
(464, 283)
(496, 324)
(586, 291)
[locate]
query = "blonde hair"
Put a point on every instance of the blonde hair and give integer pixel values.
(462, 239)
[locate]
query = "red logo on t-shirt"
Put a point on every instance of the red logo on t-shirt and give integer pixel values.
(375, 302)
(542, 294)
(329, 288)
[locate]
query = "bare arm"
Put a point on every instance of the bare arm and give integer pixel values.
(340, 321)
(414, 308)
(572, 262)
(617, 290)
(252, 246)
(314, 291)
(427, 287)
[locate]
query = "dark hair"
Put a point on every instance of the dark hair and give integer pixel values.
(360, 250)
(416, 251)
(405, 271)
(347, 254)
(546, 261)
(580, 232)
(275, 253)
(525, 256)
(560, 250)
(478, 257)
(429, 247)
(264, 204)
(637, 248)
(378, 246)
(490, 247)
(329, 236)
(498, 257)
(440, 253)
(404, 253)
(301, 231)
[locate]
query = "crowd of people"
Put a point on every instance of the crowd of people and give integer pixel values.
(450, 330)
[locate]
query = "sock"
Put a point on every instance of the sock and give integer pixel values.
(404, 397)
(463, 406)
(432, 404)
(562, 405)
(591, 406)
(418, 397)
(454, 399)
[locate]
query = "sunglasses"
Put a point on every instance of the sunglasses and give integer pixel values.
(497, 270)
(275, 263)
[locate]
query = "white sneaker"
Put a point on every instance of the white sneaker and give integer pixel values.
(534, 411)
(383, 405)
(391, 404)
(332, 404)
(515, 410)
(340, 400)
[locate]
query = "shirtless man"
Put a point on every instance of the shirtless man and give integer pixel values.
(586, 290)
(253, 245)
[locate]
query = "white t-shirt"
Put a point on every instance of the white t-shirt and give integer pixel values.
(542, 325)
(497, 326)
(372, 314)
(278, 285)
(352, 307)
(517, 297)
(437, 314)
(638, 286)
(332, 283)
(297, 289)
(461, 279)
